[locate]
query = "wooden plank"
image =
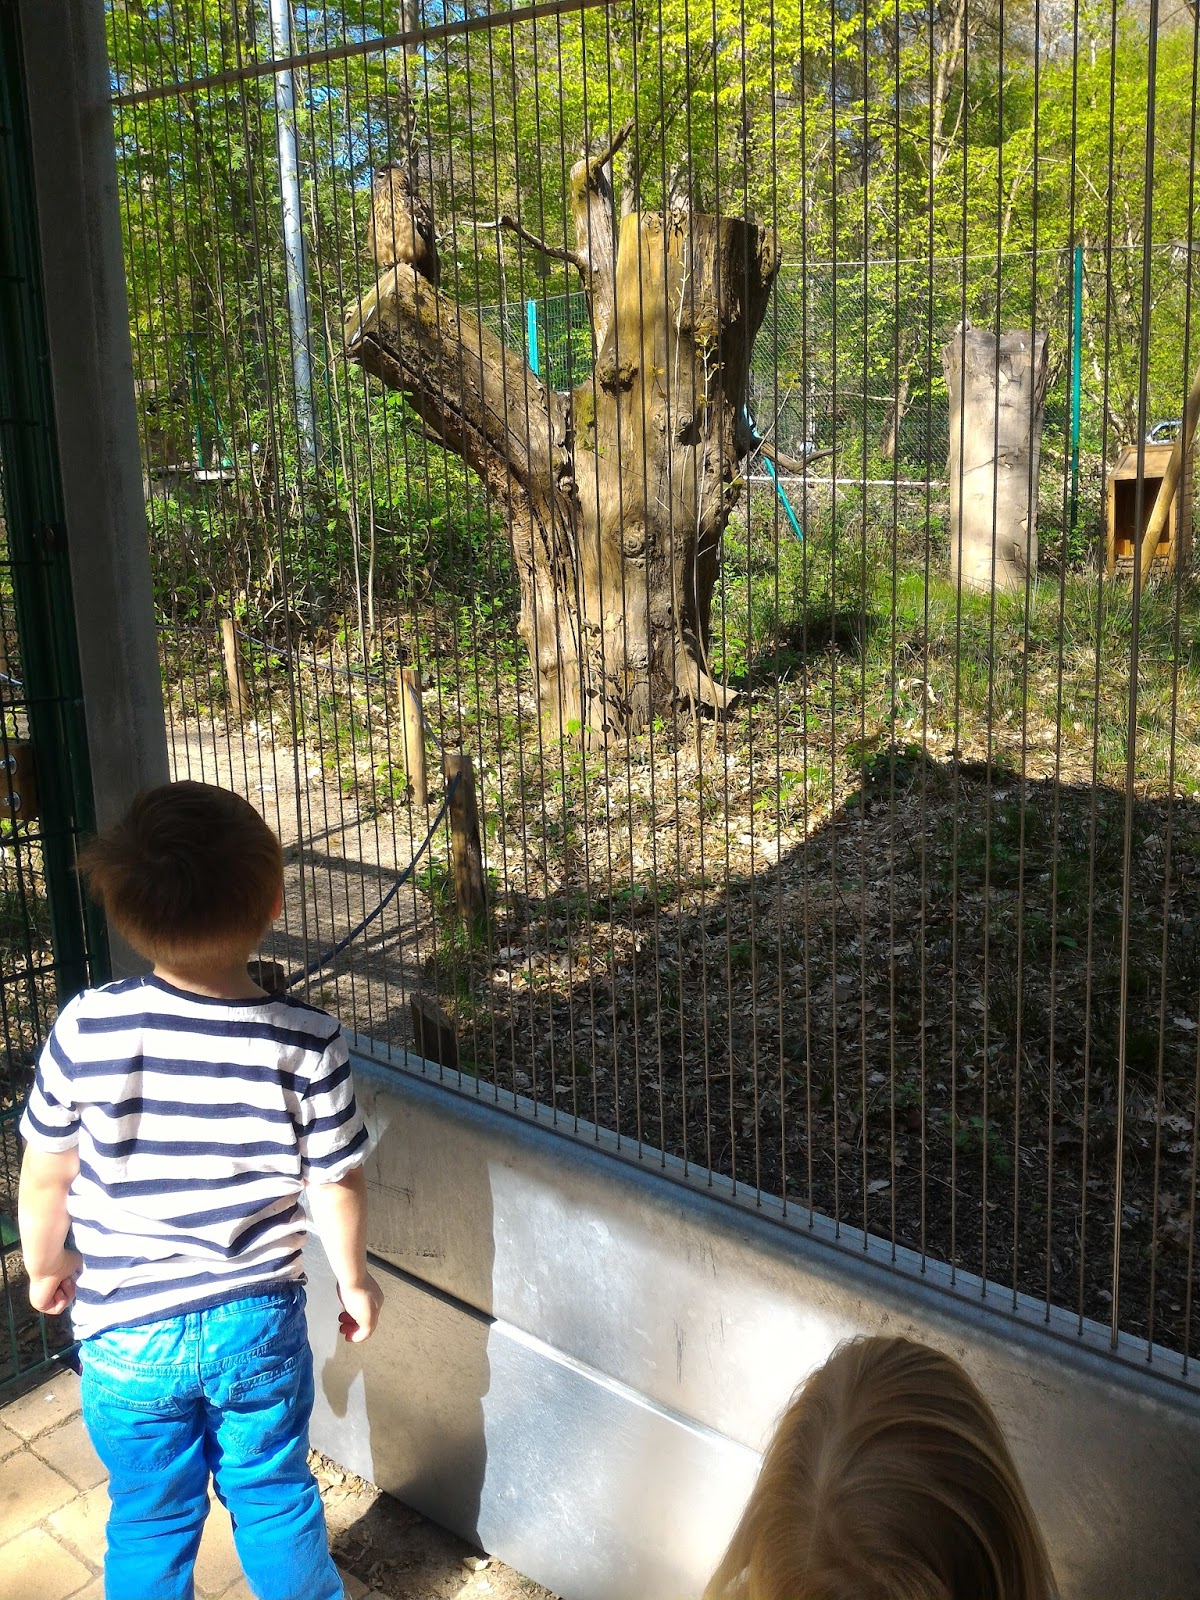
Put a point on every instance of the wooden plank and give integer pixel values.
(1180, 452)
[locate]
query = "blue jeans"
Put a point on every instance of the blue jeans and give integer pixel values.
(226, 1390)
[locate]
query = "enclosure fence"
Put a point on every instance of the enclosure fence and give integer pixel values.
(885, 908)
(50, 944)
(894, 337)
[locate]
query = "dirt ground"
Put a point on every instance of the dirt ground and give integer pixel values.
(352, 857)
(900, 1011)
(400, 1555)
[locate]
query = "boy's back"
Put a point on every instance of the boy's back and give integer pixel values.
(198, 1120)
(173, 1122)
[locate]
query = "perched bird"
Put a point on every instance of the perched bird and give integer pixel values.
(401, 227)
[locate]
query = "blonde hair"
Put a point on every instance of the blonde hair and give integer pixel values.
(888, 1478)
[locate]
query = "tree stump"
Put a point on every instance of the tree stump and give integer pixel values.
(997, 395)
(616, 495)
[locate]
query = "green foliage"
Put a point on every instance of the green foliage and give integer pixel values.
(945, 168)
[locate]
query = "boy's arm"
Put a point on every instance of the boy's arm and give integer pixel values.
(46, 1177)
(339, 1212)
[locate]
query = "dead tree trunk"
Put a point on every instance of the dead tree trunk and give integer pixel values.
(616, 495)
(997, 395)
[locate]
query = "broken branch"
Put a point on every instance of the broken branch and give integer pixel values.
(796, 464)
(556, 252)
(596, 162)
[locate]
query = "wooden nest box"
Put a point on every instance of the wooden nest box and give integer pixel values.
(1124, 535)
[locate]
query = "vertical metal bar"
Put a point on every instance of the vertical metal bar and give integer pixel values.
(84, 346)
(1131, 727)
(294, 262)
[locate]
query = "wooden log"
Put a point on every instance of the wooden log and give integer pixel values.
(1170, 480)
(434, 1035)
(466, 851)
(412, 728)
(268, 975)
(235, 673)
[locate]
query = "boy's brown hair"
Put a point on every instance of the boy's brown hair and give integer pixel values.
(189, 875)
(887, 1479)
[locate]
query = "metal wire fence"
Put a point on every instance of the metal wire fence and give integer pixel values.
(907, 934)
(888, 321)
(50, 947)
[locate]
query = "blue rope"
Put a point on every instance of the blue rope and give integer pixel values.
(336, 950)
(774, 477)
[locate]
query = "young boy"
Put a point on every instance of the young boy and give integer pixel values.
(173, 1122)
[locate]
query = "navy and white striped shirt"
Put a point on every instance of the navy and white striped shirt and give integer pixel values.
(198, 1122)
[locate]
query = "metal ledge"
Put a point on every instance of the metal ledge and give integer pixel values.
(971, 1293)
(580, 1358)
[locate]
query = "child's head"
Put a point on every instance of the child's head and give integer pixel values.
(887, 1479)
(191, 876)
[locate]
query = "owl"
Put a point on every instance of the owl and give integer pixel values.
(401, 226)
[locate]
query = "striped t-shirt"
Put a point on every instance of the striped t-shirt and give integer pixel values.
(198, 1122)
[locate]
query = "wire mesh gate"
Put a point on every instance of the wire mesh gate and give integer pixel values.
(909, 935)
(50, 944)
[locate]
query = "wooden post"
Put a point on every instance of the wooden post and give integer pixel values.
(997, 388)
(464, 834)
(235, 673)
(1170, 481)
(412, 728)
(433, 1032)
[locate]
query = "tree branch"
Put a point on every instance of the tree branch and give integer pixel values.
(590, 194)
(750, 444)
(791, 463)
(610, 150)
(476, 395)
(557, 252)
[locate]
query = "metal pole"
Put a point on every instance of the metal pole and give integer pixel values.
(293, 231)
(531, 326)
(1076, 342)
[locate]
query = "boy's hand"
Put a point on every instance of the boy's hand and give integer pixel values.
(53, 1292)
(360, 1309)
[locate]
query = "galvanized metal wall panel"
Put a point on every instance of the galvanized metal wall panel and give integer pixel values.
(579, 1360)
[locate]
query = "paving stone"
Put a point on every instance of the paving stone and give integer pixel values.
(81, 1525)
(69, 1451)
(52, 1403)
(355, 1588)
(34, 1564)
(9, 1442)
(217, 1565)
(29, 1491)
(94, 1591)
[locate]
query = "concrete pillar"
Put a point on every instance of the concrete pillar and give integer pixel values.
(91, 362)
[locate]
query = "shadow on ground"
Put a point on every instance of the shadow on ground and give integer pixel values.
(911, 1024)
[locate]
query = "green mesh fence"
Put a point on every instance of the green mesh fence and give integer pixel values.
(849, 360)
